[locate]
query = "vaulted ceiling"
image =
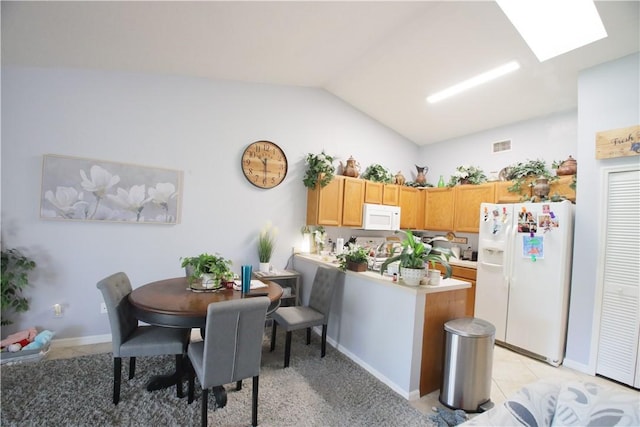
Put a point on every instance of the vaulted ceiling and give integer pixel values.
(383, 58)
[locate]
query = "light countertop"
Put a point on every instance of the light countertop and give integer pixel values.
(385, 279)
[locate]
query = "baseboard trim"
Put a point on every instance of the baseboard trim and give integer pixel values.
(581, 367)
(72, 342)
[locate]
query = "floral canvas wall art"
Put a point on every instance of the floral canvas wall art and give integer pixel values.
(96, 190)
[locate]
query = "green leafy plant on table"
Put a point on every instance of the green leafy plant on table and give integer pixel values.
(415, 254)
(320, 170)
(216, 266)
(378, 173)
(354, 254)
(15, 278)
(266, 242)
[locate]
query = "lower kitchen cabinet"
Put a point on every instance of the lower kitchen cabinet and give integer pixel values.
(468, 275)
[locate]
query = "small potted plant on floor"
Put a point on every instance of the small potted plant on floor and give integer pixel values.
(15, 278)
(355, 258)
(210, 270)
(415, 254)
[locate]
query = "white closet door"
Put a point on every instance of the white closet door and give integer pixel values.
(620, 317)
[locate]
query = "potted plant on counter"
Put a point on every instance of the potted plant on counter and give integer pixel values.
(355, 258)
(210, 270)
(415, 254)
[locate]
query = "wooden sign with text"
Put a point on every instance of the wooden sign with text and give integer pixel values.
(618, 142)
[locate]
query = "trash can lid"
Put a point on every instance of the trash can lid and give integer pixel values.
(470, 327)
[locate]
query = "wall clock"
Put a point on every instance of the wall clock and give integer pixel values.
(264, 164)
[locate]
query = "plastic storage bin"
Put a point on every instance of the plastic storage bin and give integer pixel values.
(468, 362)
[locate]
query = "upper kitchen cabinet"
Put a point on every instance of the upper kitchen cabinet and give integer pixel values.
(563, 188)
(439, 209)
(391, 195)
(354, 196)
(373, 192)
(467, 200)
(560, 187)
(409, 207)
(324, 204)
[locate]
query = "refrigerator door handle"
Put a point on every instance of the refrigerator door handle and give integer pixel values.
(490, 264)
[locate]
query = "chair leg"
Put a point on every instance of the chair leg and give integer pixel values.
(287, 349)
(191, 374)
(273, 336)
(179, 373)
(205, 397)
(132, 367)
(254, 402)
(308, 336)
(239, 385)
(324, 341)
(117, 374)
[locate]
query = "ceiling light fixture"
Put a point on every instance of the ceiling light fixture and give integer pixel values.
(552, 27)
(474, 81)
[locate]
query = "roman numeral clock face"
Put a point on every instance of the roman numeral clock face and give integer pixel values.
(264, 164)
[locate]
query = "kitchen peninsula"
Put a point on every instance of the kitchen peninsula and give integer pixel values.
(394, 331)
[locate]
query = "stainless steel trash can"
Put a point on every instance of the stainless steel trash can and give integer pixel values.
(468, 362)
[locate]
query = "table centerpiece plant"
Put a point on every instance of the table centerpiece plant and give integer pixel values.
(320, 170)
(211, 270)
(415, 254)
(355, 258)
(266, 244)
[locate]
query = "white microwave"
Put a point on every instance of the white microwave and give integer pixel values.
(380, 217)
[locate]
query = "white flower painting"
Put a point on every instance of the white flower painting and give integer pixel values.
(94, 190)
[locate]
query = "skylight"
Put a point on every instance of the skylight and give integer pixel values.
(552, 27)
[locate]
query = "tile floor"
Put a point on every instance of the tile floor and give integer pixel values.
(510, 372)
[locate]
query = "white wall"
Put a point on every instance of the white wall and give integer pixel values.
(608, 98)
(549, 138)
(195, 125)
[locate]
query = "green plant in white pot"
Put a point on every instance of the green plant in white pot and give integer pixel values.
(415, 254)
(212, 270)
(266, 244)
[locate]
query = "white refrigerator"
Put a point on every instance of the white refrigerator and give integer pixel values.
(524, 275)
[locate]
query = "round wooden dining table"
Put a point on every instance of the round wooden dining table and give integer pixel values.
(172, 303)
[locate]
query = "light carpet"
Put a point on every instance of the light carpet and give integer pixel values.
(333, 391)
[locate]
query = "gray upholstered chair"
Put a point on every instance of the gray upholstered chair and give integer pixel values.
(231, 350)
(131, 340)
(315, 314)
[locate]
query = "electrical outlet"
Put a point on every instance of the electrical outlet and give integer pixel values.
(57, 310)
(103, 308)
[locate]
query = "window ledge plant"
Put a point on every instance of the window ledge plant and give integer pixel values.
(467, 175)
(378, 173)
(353, 255)
(320, 170)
